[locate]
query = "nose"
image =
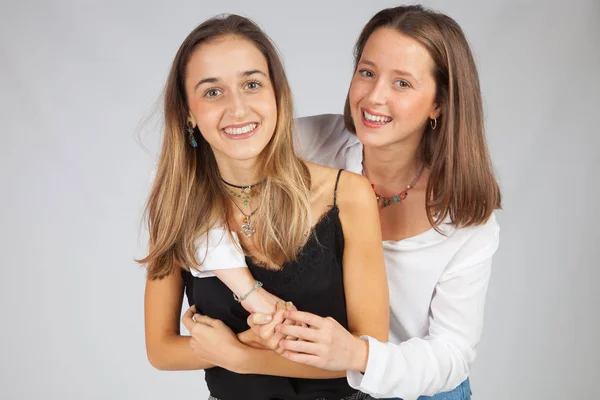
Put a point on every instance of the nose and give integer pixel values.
(238, 106)
(378, 92)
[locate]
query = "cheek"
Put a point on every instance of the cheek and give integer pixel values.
(357, 91)
(268, 107)
(411, 108)
(207, 117)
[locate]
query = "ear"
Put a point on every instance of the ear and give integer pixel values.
(436, 111)
(191, 121)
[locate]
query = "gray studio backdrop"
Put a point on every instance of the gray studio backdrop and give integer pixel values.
(78, 80)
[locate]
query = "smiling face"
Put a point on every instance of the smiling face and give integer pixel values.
(231, 97)
(392, 94)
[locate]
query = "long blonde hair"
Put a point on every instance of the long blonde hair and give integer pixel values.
(461, 183)
(188, 197)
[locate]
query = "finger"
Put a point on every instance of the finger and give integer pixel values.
(190, 312)
(289, 322)
(308, 334)
(307, 318)
(302, 324)
(203, 319)
(268, 335)
(273, 342)
(186, 319)
(276, 319)
(307, 359)
(258, 319)
(266, 332)
(300, 346)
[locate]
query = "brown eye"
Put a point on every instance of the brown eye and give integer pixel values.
(212, 93)
(402, 83)
(253, 85)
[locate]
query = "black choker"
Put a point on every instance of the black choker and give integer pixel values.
(241, 187)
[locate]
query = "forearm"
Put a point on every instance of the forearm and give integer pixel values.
(238, 280)
(241, 282)
(441, 360)
(269, 362)
(175, 354)
(413, 368)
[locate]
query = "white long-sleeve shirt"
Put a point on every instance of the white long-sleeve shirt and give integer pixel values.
(437, 285)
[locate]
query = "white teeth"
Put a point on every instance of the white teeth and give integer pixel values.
(241, 130)
(374, 118)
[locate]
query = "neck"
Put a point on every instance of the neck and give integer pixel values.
(239, 172)
(392, 167)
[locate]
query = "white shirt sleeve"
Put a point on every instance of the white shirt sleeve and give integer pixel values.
(216, 250)
(321, 139)
(440, 361)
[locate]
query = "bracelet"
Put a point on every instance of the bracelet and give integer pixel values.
(244, 297)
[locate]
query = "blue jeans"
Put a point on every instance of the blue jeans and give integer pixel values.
(461, 392)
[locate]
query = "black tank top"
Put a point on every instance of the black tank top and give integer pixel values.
(314, 283)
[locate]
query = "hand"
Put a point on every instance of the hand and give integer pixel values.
(261, 301)
(323, 344)
(263, 326)
(250, 338)
(212, 340)
(256, 320)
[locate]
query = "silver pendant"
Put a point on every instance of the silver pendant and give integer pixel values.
(247, 228)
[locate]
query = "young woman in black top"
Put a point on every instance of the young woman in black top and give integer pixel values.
(310, 233)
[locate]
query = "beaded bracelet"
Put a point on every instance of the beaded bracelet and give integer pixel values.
(244, 297)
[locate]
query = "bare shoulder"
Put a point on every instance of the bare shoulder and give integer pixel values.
(355, 191)
(351, 187)
(322, 178)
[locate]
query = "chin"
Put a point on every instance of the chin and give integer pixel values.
(372, 139)
(245, 153)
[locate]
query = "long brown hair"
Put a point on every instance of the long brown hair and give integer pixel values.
(188, 197)
(461, 182)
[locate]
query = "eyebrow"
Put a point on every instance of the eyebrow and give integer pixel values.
(242, 74)
(397, 71)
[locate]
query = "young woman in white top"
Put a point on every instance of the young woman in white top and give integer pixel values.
(413, 124)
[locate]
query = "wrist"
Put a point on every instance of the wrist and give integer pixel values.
(242, 285)
(246, 337)
(361, 355)
(239, 359)
(244, 297)
(243, 360)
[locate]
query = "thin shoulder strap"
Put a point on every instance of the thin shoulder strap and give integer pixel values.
(337, 180)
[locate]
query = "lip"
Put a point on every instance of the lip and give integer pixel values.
(243, 135)
(239, 125)
(370, 124)
(373, 113)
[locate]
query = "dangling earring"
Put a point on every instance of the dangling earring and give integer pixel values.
(191, 138)
(433, 123)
